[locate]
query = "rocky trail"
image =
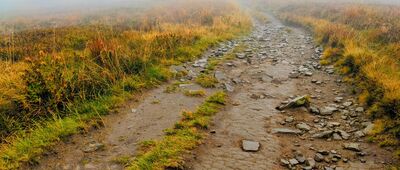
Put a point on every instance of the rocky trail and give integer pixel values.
(278, 66)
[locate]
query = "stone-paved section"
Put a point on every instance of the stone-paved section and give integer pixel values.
(261, 88)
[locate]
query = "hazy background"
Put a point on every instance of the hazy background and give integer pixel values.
(10, 8)
(24, 8)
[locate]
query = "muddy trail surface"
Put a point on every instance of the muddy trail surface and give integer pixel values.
(274, 66)
(135, 122)
(141, 119)
(279, 65)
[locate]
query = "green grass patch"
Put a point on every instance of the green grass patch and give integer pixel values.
(171, 88)
(207, 81)
(28, 146)
(183, 137)
(68, 91)
(122, 160)
(213, 63)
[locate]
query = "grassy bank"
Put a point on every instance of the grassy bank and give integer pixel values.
(363, 42)
(187, 134)
(60, 81)
(27, 146)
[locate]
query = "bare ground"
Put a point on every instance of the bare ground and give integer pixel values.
(265, 81)
(261, 81)
(138, 120)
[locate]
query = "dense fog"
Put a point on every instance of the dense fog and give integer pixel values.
(24, 8)
(28, 7)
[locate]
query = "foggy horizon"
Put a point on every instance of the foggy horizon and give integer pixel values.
(18, 8)
(23, 8)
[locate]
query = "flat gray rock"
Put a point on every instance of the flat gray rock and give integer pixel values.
(293, 161)
(228, 87)
(343, 134)
(318, 157)
(328, 110)
(359, 109)
(297, 102)
(250, 146)
(308, 73)
(303, 126)
(338, 99)
(289, 119)
(347, 104)
(284, 162)
(294, 75)
(359, 134)
(92, 147)
(220, 76)
(314, 110)
(240, 55)
(310, 162)
(336, 136)
(352, 146)
(286, 131)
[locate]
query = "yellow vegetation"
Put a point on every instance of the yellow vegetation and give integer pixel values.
(363, 41)
(61, 78)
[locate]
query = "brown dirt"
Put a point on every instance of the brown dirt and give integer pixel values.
(264, 84)
(253, 119)
(155, 111)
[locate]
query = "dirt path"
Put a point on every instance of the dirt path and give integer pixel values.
(282, 63)
(138, 120)
(278, 64)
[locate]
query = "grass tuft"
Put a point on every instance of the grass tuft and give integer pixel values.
(195, 93)
(207, 81)
(185, 136)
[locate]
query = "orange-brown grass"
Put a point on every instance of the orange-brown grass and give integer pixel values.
(364, 41)
(51, 73)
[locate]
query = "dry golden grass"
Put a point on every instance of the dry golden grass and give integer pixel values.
(11, 83)
(61, 78)
(364, 42)
(57, 65)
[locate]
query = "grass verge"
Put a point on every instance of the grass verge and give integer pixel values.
(28, 146)
(362, 42)
(51, 95)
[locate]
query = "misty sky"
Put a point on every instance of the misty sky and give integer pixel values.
(27, 7)
(15, 7)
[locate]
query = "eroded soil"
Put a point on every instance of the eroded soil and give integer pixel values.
(282, 63)
(137, 121)
(277, 64)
